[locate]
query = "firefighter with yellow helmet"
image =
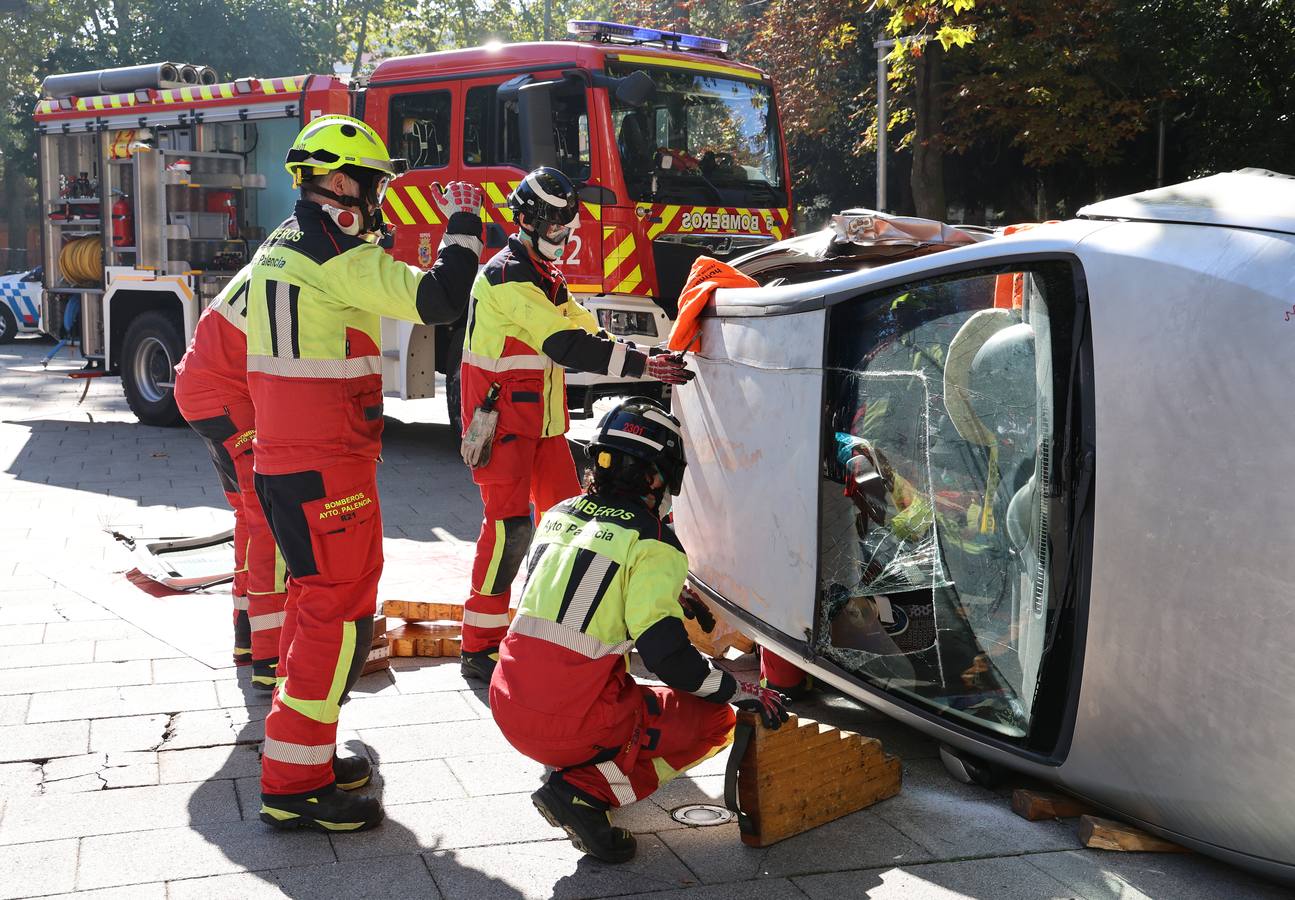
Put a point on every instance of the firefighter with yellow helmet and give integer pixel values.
(318, 289)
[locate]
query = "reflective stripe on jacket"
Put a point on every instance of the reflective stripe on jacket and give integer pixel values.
(315, 303)
(524, 328)
(603, 576)
(212, 376)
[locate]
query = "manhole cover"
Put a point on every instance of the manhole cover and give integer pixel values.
(701, 815)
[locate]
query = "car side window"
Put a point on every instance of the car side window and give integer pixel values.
(420, 129)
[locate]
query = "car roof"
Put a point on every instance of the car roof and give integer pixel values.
(1248, 198)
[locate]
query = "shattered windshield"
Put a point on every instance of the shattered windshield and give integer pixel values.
(701, 139)
(934, 537)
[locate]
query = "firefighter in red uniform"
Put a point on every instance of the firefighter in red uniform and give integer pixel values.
(524, 329)
(320, 286)
(211, 391)
(606, 574)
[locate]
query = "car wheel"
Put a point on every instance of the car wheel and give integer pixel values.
(8, 324)
(152, 347)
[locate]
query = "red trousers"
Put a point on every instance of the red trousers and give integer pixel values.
(522, 472)
(777, 672)
(674, 732)
(329, 526)
(260, 589)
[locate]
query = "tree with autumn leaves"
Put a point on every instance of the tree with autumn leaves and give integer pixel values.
(999, 109)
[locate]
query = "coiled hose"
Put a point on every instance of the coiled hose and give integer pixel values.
(81, 260)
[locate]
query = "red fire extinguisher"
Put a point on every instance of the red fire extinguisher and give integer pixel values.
(123, 222)
(225, 202)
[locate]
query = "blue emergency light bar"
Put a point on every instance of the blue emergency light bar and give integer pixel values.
(592, 29)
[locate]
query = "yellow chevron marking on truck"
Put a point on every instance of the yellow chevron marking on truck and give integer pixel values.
(429, 214)
(667, 216)
(393, 200)
(630, 283)
(623, 252)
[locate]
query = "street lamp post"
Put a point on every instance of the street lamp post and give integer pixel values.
(883, 117)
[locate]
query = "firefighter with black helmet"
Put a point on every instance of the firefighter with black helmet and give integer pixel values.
(524, 329)
(318, 289)
(605, 574)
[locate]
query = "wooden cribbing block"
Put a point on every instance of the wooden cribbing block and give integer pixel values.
(1107, 834)
(806, 774)
(423, 612)
(379, 656)
(417, 639)
(1037, 805)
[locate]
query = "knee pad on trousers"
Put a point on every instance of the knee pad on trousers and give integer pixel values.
(517, 539)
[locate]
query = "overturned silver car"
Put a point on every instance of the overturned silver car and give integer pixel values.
(1029, 494)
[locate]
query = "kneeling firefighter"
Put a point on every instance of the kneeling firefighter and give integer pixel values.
(524, 330)
(606, 574)
(319, 288)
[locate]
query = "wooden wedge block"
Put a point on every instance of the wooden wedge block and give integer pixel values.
(1037, 805)
(418, 639)
(379, 656)
(379, 627)
(1107, 834)
(806, 774)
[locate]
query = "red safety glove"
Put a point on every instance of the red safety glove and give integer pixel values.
(770, 705)
(457, 197)
(695, 608)
(460, 204)
(670, 368)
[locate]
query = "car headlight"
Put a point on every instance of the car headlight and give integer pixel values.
(621, 322)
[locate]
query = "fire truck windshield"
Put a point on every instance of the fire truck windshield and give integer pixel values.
(701, 138)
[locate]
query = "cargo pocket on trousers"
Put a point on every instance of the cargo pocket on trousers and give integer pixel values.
(341, 532)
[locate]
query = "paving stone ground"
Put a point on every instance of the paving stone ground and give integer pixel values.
(128, 764)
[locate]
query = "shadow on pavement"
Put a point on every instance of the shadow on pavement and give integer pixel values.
(308, 865)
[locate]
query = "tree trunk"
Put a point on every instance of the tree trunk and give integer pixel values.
(125, 35)
(928, 139)
(359, 42)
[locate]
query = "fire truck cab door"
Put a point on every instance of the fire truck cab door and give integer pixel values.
(492, 157)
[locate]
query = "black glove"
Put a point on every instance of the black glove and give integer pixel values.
(695, 608)
(770, 705)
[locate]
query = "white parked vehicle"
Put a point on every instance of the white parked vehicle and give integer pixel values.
(20, 304)
(1032, 496)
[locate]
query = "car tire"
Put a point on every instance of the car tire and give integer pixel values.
(8, 324)
(453, 388)
(152, 347)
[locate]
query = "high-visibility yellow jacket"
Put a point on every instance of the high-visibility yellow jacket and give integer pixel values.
(604, 576)
(315, 303)
(524, 329)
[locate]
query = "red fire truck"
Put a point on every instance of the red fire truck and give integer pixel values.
(678, 149)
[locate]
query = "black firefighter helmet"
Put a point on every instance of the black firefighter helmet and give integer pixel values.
(641, 429)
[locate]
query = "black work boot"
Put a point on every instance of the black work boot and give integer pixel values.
(264, 672)
(327, 810)
(352, 772)
(242, 639)
(590, 828)
(479, 665)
